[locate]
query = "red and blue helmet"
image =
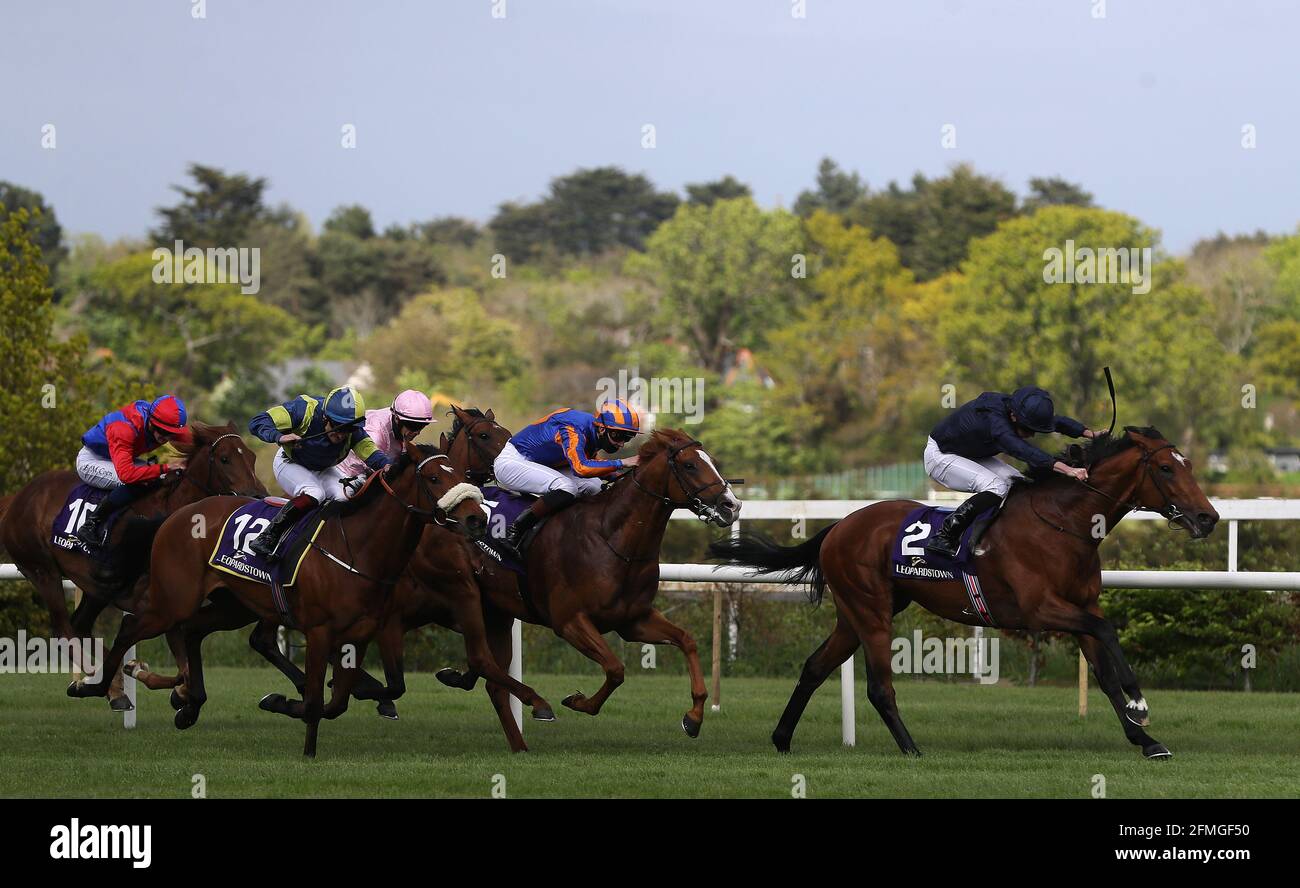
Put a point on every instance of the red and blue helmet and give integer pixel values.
(618, 416)
(168, 413)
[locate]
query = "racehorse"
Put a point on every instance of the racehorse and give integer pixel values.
(594, 568)
(342, 584)
(1039, 570)
(217, 462)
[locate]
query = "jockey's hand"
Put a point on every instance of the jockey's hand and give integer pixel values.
(170, 467)
(1089, 433)
(290, 438)
(1079, 474)
(632, 461)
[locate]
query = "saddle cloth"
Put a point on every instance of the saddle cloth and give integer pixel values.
(232, 554)
(911, 560)
(83, 500)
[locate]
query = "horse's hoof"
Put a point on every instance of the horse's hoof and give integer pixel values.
(273, 703)
(545, 714)
(913, 752)
(387, 709)
(121, 704)
(81, 689)
(781, 742)
(176, 700)
(574, 701)
(185, 717)
(1156, 751)
(690, 726)
(452, 678)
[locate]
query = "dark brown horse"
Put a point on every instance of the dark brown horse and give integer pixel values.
(594, 568)
(218, 462)
(1040, 571)
(342, 588)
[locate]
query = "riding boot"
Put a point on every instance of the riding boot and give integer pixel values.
(263, 546)
(947, 541)
(92, 529)
(548, 504)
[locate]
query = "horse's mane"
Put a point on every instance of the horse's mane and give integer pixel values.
(659, 441)
(202, 435)
(1097, 449)
(457, 424)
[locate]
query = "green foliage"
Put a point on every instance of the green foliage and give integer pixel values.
(722, 275)
(43, 224)
(218, 211)
(49, 385)
(1055, 192)
(708, 193)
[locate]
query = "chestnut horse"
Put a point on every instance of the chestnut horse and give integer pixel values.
(342, 587)
(594, 568)
(218, 462)
(1039, 571)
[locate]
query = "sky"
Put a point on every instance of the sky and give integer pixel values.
(457, 109)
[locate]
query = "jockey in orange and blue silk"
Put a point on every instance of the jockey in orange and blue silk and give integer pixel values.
(555, 459)
(110, 456)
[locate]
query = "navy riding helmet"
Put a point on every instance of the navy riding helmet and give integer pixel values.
(1034, 408)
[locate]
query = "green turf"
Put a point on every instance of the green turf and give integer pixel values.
(978, 742)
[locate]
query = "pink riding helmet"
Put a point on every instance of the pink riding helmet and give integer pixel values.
(413, 406)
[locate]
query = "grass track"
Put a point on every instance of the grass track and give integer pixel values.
(978, 742)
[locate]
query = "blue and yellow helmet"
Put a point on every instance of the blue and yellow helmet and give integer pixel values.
(344, 405)
(618, 415)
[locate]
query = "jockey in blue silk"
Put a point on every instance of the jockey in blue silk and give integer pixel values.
(961, 453)
(111, 451)
(315, 435)
(555, 459)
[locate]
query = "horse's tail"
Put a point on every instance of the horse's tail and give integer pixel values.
(761, 552)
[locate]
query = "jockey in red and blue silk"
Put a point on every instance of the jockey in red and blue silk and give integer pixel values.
(111, 451)
(555, 458)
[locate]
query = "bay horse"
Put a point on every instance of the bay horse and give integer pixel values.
(340, 594)
(594, 568)
(217, 462)
(1039, 570)
(448, 592)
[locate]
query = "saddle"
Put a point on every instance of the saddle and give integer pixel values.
(503, 507)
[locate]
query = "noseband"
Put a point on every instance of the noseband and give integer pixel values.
(704, 511)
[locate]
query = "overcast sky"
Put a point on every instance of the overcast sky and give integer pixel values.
(457, 111)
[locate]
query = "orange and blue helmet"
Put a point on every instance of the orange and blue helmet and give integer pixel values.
(618, 415)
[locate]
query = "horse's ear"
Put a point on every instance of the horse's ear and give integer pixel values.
(442, 442)
(490, 414)
(413, 452)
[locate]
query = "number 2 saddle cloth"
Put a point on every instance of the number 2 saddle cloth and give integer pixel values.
(911, 560)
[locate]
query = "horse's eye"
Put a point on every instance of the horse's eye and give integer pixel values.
(225, 460)
(1167, 469)
(690, 466)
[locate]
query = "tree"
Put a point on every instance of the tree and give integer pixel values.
(46, 232)
(449, 230)
(353, 219)
(837, 191)
(707, 193)
(49, 385)
(723, 276)
(217, 212)
(1009, 326)
(1055, 192)
(1237, 278)
(585, 213)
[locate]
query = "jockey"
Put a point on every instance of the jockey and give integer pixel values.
(109, 457)
(555, 458)
(314, 434)
(962, 449)
(391, 428)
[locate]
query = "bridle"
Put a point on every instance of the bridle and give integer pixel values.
(1168, 511)
(422, 489)
(704, 511)
(480, 450)
(206, 487)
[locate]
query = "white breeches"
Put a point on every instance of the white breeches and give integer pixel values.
(513, 472)
(97, 471)
(295, 479)
(969, 475)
